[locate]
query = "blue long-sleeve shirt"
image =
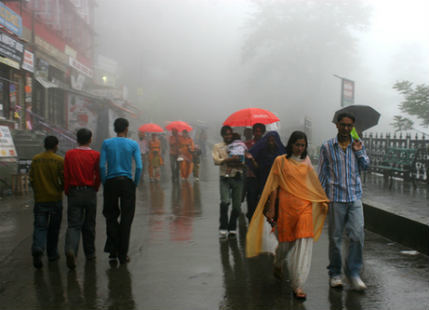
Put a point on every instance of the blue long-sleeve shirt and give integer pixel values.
(339, 171)
(118, 154)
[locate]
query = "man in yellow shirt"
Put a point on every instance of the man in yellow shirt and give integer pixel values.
(47, 180)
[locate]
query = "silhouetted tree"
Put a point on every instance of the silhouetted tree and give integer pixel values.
(416, 104)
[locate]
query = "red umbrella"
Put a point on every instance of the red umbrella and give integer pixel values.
(251, 116)
(179, 126)
(150, 127)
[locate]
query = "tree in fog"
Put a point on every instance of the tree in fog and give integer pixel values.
(293, 46)
(415, 104)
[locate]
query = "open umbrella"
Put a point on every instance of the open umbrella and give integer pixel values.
(179, 126)
(150, 127)
(250, 116)
(366, 117)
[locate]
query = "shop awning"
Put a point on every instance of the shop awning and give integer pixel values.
(46, 83)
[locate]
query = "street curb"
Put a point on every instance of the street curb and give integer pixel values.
(405, 231)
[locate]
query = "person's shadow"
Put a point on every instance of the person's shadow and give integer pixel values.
(49, 290)
(120, 295)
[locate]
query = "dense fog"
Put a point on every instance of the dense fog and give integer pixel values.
(201, 60)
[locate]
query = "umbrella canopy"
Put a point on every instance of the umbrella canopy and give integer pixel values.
(150, 127)
(250, 116)
(179, 126)
(366, 117)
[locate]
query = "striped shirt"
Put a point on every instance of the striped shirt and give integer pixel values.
(339, 171)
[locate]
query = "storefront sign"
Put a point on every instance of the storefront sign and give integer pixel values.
(10, 20)
(347, 92)
(74, 63)
(51, 50)
(7, 147)
(11, 48)
(28, 61)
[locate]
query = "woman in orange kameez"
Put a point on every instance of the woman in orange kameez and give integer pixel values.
(155, 151)
(302, 208)
(186, 147)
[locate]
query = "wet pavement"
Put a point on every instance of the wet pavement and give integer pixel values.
(178, 262)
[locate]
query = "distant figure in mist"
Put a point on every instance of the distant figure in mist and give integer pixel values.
(186, 147)
(47, 181)
(119, 192)
(144, 150)
(155, 158)
(174, 154)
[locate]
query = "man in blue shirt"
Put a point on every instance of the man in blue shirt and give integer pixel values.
(341, 160)
(119, 189)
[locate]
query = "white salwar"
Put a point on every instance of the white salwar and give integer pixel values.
(298, 255)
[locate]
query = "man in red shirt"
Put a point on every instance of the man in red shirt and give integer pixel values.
(81, 183)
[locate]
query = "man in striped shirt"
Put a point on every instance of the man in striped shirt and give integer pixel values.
(341, 160)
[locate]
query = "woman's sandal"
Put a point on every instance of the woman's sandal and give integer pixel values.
(299, 294)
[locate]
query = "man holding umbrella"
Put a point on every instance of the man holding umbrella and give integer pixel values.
(341, 160)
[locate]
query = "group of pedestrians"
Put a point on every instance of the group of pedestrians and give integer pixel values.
(292, 200)
(184, 156)
(79, 175)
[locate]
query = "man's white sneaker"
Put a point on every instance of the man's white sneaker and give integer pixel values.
(223, 233)
(357, 284)
(336, 282)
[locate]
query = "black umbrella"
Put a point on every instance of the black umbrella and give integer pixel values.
(366, 117)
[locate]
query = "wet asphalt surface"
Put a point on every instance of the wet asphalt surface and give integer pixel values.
(178, 262)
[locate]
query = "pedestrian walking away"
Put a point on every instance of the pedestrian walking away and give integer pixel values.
(230, 183)
(295, 204)
(81, 183)
(340, 162)
(119, 189)
(47, 181)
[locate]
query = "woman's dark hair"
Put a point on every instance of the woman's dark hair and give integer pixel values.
(260, 126)
(224, 129)
(120, 125)
(345, 114)
(83, 136)
(296, 135)
(50, 142)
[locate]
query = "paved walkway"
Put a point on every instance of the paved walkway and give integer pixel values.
(178, 262)
(402, 199)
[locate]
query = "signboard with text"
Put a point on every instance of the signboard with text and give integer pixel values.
(7, 147)
(11, 48)
(347, 92)
(10, 19)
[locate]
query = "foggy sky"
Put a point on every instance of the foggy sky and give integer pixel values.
(187, 56)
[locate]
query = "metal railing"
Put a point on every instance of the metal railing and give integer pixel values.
(377, 145)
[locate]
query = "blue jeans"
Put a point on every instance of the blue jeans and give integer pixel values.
(81, 213)
(47, 223)
(346, 217)
(230, 189)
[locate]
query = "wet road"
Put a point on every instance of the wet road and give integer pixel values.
(178, 262)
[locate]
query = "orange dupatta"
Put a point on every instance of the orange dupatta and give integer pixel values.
(303, 183)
